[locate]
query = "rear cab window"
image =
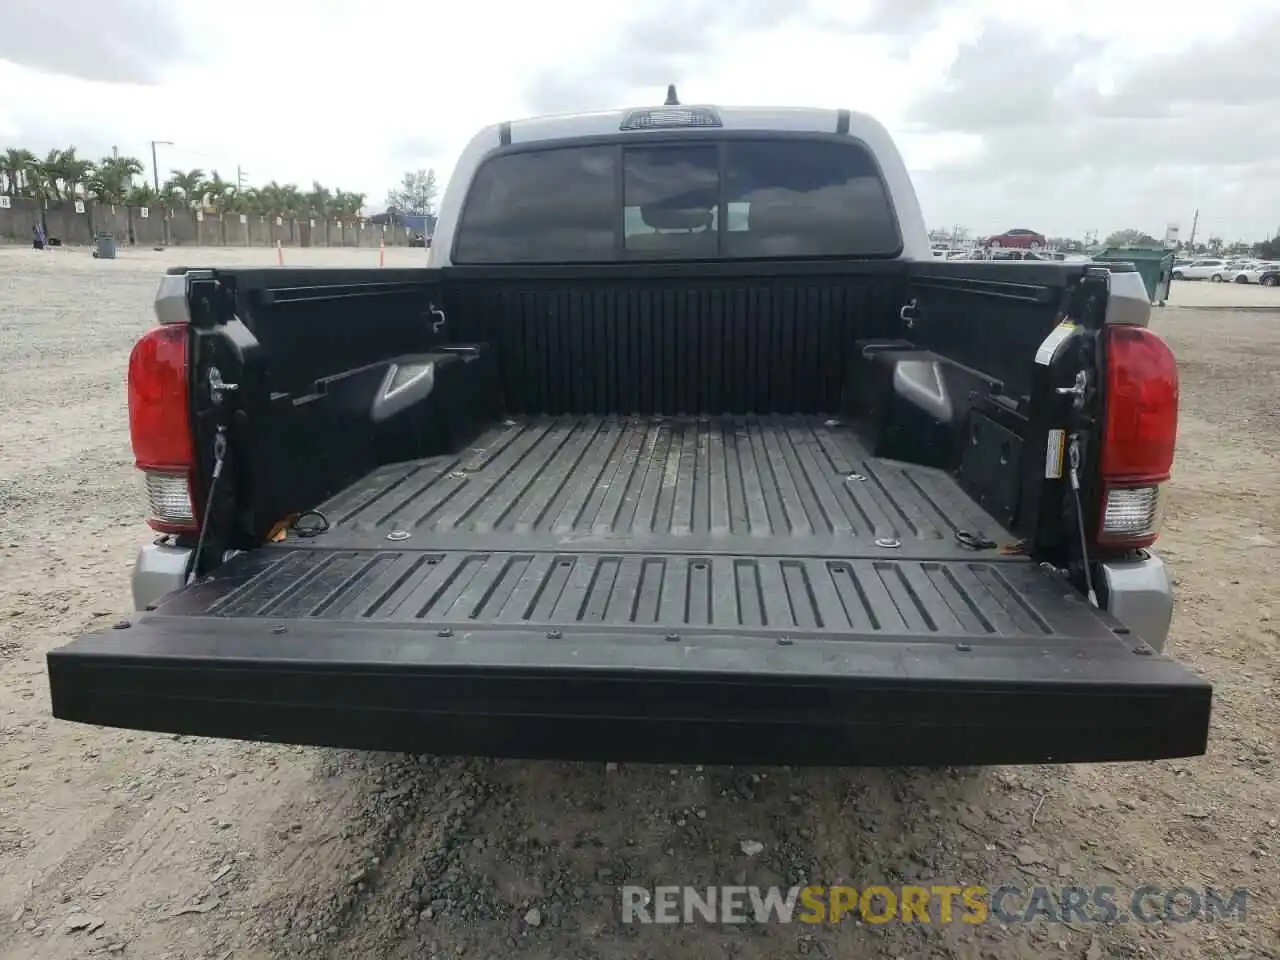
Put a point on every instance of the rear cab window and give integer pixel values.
(692, 199)
(551, 206)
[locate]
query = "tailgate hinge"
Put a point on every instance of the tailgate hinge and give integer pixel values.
(218, 386)
(1077, 391)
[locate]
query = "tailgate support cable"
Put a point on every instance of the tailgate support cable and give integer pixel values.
(219, 458)
(1074, 454)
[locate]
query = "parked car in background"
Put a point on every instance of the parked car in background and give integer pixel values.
(1251, 272)
(1212, 268)
(1001, 253)
(1270, 277)
(1024, 239)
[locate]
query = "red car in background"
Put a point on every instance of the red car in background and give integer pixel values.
(1024, 239)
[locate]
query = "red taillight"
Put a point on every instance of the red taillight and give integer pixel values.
(1140, 430)
(160, 426)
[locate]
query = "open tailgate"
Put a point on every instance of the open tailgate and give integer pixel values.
(593, 655)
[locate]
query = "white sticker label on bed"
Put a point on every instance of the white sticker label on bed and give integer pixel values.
(1053, 454)
(1044, 356)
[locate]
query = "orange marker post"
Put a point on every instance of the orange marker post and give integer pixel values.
(279, 254)
(382, 253)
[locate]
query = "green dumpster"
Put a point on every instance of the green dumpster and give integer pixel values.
(1154, 265)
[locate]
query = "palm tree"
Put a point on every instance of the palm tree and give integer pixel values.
(73, 171)
(348, 205)
(40, 182)
(15, 168)
(293, 203)
(61, 173)
(217, 192)
(112, 179)
(171, 198)
(101, 188)
(185, 187)
(294, 206)
(8, 172)
(46, 171)
(320, 200)
(244, 201)
(272, 199)
(142, 196)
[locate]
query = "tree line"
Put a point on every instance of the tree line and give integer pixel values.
(1214, 246)
(64, 175)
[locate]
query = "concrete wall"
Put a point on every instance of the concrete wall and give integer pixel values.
(259, 232)
(148, 231)
(183, 228)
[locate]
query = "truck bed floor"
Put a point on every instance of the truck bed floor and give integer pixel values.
(772, 526)
(744, 486)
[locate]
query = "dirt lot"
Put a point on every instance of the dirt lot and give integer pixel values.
(1223, 296)
(153, 846)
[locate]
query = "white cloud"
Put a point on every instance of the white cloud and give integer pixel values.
(1063, 117)
(70, 37)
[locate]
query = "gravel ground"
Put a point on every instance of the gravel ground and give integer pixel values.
(118, 843)
(1223, 296)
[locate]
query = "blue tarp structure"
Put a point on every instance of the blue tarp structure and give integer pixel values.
(424, 224)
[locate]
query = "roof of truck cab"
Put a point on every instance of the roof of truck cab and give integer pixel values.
(563, 126)
(762, 119)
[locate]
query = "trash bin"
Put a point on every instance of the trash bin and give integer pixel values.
(104, 247)
(1154, 265)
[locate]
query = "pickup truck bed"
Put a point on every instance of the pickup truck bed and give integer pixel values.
(745, 588)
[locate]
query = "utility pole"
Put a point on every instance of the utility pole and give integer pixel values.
(241, 176)
(155, 176)
(1191, 243)
(155, 167)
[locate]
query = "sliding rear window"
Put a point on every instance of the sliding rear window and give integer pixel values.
(545, 206)
(688, 200)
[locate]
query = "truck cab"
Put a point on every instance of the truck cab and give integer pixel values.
(683, 446)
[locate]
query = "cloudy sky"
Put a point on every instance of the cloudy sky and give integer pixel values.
(1059, 116)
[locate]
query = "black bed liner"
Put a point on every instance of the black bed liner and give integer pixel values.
(831, 597)
(712, 590)
(794, 486)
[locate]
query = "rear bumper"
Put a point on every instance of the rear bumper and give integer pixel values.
(705, 697)
(159, 568)
(1139, 594)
